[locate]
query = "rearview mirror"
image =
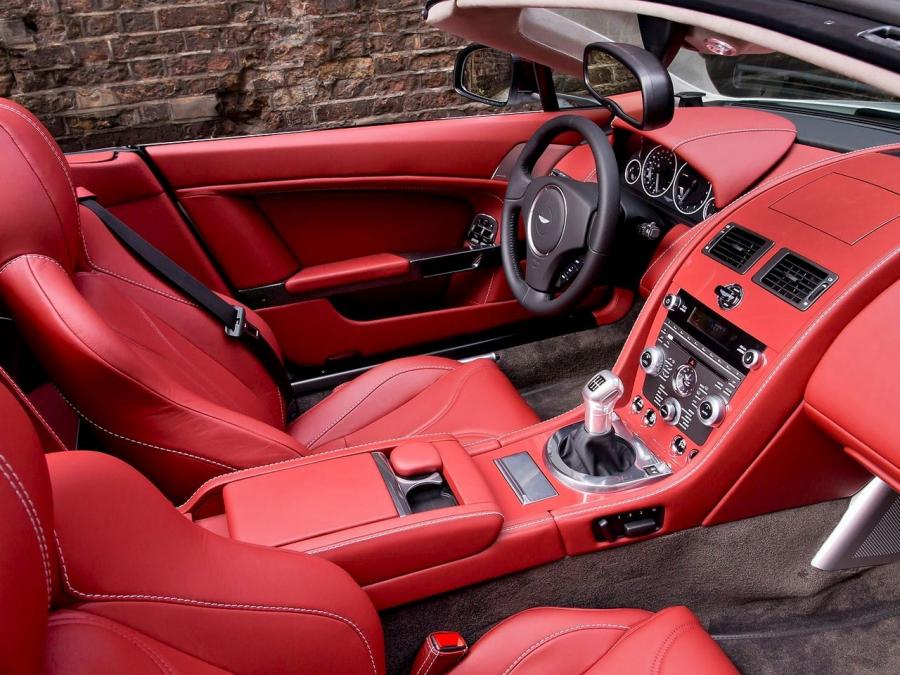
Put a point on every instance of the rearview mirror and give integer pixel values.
(612, 68)
(484, 74)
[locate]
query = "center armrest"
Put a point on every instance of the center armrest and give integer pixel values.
(341, 509)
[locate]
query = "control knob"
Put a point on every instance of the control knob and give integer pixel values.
(752, 359)
(670, 411)
(711, 410)
(671, 302)
(652, 359)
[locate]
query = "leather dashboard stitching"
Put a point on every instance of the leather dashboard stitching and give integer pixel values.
(398, 530)
(727, 132)
(22, 493)
(565, 631)
(143, 597)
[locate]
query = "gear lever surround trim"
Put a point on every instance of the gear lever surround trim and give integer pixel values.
(647, 467)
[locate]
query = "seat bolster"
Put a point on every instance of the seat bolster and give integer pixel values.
(596, 641)
(127, 555)
(416, 395)
(80, 643)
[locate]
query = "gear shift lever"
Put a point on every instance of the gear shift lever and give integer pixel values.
(600, 396)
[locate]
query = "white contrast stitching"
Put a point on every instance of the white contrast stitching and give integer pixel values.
(427, 663)
(560, 633)
(143, 443)
(110, 626)
(235, 475)
(377, 386)
(26, 256)
(22, 493)
(23, 398)
(397, 530)
(208, 603)
(726, 132)
(530, 523)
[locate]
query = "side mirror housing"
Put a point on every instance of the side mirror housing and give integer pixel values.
(497, 78)
(612, 68)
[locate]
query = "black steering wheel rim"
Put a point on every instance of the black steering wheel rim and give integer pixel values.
(561, 215)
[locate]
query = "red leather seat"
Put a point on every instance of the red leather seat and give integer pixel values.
(596, 642)
(99, 573)
(164, 386)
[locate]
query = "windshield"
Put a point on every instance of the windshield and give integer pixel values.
(723, 68)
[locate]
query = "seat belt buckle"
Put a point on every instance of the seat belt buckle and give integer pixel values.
(240, 325)
(440, 652)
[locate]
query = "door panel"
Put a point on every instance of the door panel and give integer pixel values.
(271, 207)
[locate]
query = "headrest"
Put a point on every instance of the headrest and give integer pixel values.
(38, 209)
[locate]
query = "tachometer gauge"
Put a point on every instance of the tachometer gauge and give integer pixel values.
(709, 208)
(691, 190)
(633, 171)
(658, 171)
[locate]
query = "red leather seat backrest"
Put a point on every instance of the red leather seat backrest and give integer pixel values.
(27, 557)
(158, 378)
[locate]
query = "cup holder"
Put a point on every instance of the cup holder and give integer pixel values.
(417, 494)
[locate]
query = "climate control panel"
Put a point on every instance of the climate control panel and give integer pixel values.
(696, 365)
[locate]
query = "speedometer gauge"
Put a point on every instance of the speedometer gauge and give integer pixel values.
(633, 171)
(691, 190)
(658, 171)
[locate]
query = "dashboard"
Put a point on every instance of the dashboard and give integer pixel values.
(659, 176)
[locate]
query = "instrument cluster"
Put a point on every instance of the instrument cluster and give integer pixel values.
(659, 174)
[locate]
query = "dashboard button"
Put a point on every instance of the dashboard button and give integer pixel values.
(650, 418)
(679, 445)
(637, 404)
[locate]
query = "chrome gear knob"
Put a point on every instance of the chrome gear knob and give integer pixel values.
(600, 396)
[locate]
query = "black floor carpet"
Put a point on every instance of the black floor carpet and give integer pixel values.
(551, 373)
(747, 577)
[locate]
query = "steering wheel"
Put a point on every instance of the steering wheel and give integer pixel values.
(563, 218)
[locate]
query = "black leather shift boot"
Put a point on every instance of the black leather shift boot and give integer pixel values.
(606, 455)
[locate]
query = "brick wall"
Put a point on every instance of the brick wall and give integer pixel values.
(112, 72)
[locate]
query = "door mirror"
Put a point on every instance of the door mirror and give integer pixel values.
(484, 74)
(612, 68)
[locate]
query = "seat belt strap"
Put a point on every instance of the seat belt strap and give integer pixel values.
(232, 317)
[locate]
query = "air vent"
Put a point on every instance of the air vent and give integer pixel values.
(795, 279)
(737, 247)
